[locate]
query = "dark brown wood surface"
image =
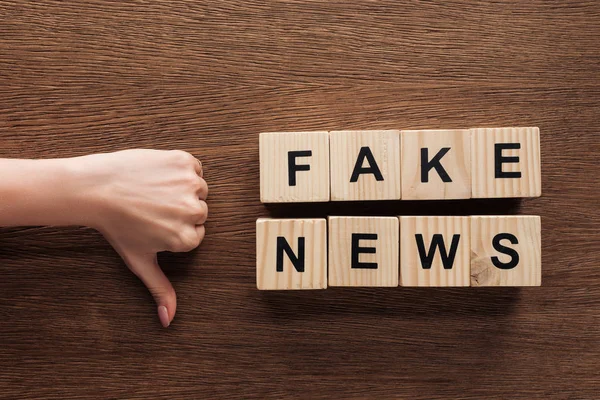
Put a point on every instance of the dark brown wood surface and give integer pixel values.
(93, 76)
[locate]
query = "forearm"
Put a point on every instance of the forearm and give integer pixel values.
(43, 192)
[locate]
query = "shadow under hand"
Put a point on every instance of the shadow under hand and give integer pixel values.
(177, 265)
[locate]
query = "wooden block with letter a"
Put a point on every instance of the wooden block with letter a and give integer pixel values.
(291, 254)
(506, 250)
(294, 167)
(436, 164)
(434, 251)
(363, 251)
(505, 162)
(365, 165)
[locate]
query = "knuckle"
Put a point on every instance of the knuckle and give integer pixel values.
(201, 230)
(183, 157)
(202, 187)
(174, 243)
(165, 294)
(194, 181)
(188, 241)
(201, 212)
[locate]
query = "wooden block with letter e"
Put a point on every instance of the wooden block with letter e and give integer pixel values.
(291, 254)
(505, 162)
(434, 251)
(294, 167)
(365, 165)
(506, 251)
(436, 164)
(363, 251)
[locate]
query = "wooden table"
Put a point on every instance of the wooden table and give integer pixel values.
(207, 77)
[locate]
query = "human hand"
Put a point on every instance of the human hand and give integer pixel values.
(148, 201)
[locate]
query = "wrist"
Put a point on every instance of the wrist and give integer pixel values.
(82, 190)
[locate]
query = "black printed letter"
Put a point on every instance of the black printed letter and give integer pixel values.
(365, 152)
(434, 163)
(437, 241)
(298, 262)
(506, 250)
(357, 250)
(292, 167)
(499, 159)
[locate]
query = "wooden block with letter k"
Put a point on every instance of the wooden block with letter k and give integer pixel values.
(436, 164)
(291, 254)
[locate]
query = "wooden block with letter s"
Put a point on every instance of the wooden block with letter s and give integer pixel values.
(291, 254)
(506, 250)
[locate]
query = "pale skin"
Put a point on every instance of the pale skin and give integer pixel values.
(142, 201)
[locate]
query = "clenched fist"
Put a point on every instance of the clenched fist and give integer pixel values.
(142, 201)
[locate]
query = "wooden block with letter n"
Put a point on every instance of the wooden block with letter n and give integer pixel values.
(365, 165)
(436, 164)
(434, 251)
(291, 254)
(506, 251)
(363, 251)
(294, 167)
(505, 162)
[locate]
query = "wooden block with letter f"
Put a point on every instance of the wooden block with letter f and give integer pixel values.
(291, 254)
(294, 167)
(434, 251)
(506, 250)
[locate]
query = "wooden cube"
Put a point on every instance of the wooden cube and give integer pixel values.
(363, 251)
(436, 164)
(291, 254)
(434, 251)
(365, 165)
(506, 251)
(505, 162)
(294, 167)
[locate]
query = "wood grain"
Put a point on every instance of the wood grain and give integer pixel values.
(377, 153)
(313, 233)
(527, 231)
(310, 185)
(524, 161)
(455, 163)
(207, 77)
(412, 270)
(341, 270)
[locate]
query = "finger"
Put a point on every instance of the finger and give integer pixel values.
(202, 215)
(199, 169)
(147, 269)
(202, 190)
(201, 231)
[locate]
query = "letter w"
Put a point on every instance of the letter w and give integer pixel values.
(437, 241)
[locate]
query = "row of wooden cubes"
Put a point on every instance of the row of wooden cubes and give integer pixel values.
(393, 164)
(391, 251)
